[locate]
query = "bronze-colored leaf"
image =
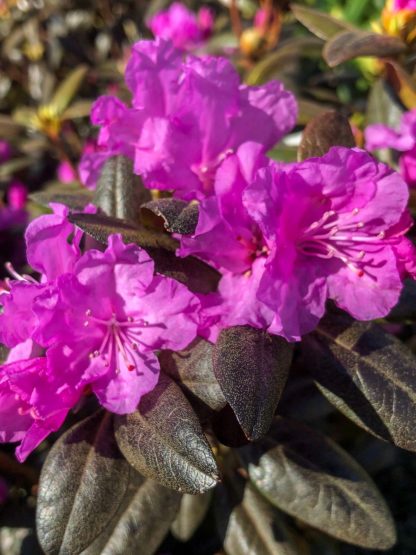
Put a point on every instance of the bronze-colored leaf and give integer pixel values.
(142, 521)
(83, 481)
(368, 374)
(101, 227)
(308, 476)
(192, 369)
(119, 192)
(323, 132)
(163, 440)
(177, 216)
(352, 44)
(248, 524)
(403, 84)
(192, 512)
(252, 367)
(76, 200)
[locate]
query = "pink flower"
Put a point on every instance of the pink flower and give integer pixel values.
(332, 226)
(299, 234)
(260, 19)
(66, 173)
(188, 116)
(107, 320)
(398, 5)
(14, 214)
(404, 140)
(24, 389)
(5, 151)
(181, 26)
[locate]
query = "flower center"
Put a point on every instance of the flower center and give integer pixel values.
(120, 341)
(330, 237)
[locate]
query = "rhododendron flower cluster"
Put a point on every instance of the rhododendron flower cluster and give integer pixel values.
(187, 116)
(284, 237)
(403, 140)
(185, 29)
(298, 234)
(99, 316)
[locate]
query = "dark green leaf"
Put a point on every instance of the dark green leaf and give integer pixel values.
(248, 524)
(193, 370)
(142, 521)
(164, 441)
(100, 227)
(323, 132)
(319, 23)
(352, 44)
(177, 216)
(119, 192)
(82, 485)
(252, 367)
(368, 374)
(308, 476)
(192, 512)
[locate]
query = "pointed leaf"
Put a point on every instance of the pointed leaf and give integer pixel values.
(320, 23)
(79, 109)
(368, 374)
(164, 441)
(75, 200)
(177, 216)
(323, 132)
(252, 367)
(142, 521)
(82, 485)
(248, 524)
(68, 89)
(192, 369)
(353, 44)
(119, 192)
(100, 227)
(192, 512)
(310, 477)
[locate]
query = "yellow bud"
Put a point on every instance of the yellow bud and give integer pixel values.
(252, 42)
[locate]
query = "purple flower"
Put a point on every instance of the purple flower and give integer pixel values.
(107, 320)
(298, 234)
(185, 29)
(13, 214)
(100, 316)
(397, 5)
(404, 140)
(188, 116)
(332, 226)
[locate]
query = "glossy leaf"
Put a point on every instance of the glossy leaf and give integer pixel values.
(177, 216)
(82, 485)
(252, 367)
(353, 44)
(142, 521)
(192, 512)
(319, 23)
(308, 476)
(100, 227)
(368, 374)
(163, 440)
(323, 132)
(192, 369)
(248, 524)
(119, 192)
